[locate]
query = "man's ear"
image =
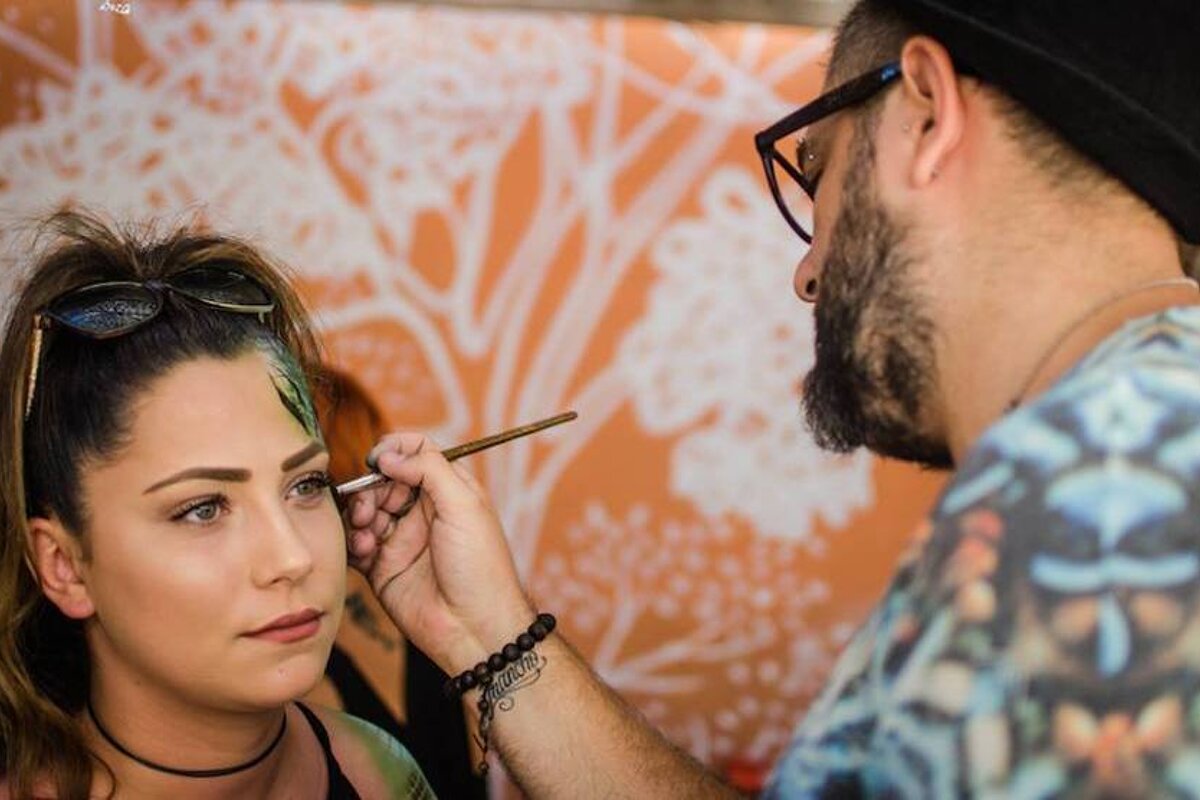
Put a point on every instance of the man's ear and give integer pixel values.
(933, 99)
(57, 560)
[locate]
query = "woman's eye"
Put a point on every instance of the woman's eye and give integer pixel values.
(312, 485)
(202, 512)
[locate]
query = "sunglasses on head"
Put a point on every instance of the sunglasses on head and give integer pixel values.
(114, 308)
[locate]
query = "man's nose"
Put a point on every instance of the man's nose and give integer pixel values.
(805, 281)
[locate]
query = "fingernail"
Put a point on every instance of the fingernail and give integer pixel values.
(393, 455)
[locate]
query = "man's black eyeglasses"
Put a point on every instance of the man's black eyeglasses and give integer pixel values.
(114, 308)
(847, 94)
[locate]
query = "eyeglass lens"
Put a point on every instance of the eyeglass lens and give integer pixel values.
(106, 309)
(111, 309)
(220, 286)
(795, 202)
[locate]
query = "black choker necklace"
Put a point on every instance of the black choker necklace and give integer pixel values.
(188, 773)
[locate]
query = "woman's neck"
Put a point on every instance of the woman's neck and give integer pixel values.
(158, 728)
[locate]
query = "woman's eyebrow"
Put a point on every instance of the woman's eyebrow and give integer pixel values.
(228, 474)
(234, 475)
(296, 459)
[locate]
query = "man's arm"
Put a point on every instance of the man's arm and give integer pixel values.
(445, 575)
(566, 734)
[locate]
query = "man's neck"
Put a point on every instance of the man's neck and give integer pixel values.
(1060, 303)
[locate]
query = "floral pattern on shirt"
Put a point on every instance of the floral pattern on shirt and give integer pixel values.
(1043, 639)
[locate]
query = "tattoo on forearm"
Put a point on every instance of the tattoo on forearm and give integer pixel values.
(498, 693)
(516, 676)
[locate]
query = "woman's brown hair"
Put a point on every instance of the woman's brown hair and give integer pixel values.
(80, 415)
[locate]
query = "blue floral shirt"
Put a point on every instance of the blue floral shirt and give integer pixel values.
(1043, 639)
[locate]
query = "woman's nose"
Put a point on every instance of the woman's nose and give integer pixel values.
(283, 553)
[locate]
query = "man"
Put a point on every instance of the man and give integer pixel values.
(999, 190)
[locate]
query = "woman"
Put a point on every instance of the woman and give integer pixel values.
(172, 570)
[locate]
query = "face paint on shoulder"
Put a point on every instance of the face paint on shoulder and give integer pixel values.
(394, 764)
(291, 385)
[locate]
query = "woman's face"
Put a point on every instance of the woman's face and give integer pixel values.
(209, 529)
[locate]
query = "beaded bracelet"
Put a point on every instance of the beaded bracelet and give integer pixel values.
(483, 672)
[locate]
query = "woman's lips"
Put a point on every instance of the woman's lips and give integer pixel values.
(290, 628)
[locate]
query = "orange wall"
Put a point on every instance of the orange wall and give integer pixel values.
(497, 217)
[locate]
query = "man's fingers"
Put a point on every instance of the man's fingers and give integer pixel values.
(361, 545)
(403, 443)
(362, 509)
(434, 474)
(389, 443)
(381, 524)
(465, 475)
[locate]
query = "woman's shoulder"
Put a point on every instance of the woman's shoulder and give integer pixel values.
(373, 760)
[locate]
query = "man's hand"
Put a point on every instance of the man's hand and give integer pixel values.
(443, 572)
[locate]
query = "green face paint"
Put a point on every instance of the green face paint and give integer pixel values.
(290, 384)
(393, 763)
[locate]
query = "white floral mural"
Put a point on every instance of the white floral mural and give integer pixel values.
(498, 216)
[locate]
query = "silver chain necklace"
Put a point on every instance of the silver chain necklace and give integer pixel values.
(1087, 317)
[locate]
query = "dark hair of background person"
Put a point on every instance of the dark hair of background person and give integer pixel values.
(435, 730)
(81, 415)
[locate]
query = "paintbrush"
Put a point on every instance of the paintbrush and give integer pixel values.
(467, 448)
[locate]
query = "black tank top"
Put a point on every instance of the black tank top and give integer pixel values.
(340, 787)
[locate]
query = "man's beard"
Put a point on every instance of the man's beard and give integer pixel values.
(874, 344)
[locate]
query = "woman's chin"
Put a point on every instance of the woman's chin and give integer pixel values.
(286, 682)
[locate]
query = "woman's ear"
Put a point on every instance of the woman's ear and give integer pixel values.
(57, 561)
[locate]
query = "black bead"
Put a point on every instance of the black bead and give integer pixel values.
(511, 652)
(496, 662)
(548, 621)
(482, 673)
(467, 681)
(538, 631)
(525, 641)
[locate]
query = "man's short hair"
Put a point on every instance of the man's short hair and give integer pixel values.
(873, 33)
